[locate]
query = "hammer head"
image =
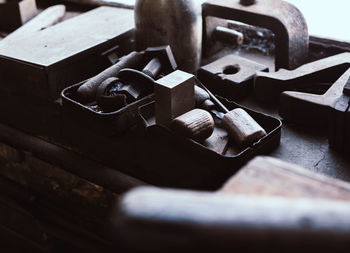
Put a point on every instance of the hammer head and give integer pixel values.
(165, 55)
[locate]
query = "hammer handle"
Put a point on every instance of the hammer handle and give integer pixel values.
(212, 97)
(152, 68)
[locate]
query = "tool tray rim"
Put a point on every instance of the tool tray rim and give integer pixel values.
(102, 120)
(272, 125)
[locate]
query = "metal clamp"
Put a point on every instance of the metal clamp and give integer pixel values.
(282, 18)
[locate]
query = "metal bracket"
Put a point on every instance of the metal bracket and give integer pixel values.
(269, 86)
(230, 76)
(282, 18)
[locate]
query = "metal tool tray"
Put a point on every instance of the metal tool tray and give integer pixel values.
(205, 166)
(107, 124)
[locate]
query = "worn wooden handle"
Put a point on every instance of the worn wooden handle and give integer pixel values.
(153, 68)
(87, 92)
(196, 124)
(242, 127)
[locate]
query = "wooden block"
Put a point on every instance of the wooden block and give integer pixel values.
(174, 95)
(242, 127)
(196, 124)
(273, 177)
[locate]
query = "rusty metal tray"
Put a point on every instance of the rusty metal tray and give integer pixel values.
(197, 163)
(104, 123)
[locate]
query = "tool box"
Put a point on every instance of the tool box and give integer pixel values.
(143, 149)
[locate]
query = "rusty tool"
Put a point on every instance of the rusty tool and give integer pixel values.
(130, 84)
(269, 86)
(308, 108)
(282, 18)
(48, 17)
(237, 122)
(87, 92)
(230, 76)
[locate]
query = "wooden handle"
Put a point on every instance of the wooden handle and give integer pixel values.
(228, 35)
(242, 127)
(87, 92)
(152, 68)
(196, 124)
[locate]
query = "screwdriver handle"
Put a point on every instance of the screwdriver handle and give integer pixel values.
(212, 97)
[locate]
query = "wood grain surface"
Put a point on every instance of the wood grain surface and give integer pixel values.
(271, 176)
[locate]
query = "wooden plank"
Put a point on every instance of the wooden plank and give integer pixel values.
(71, 37)
(270, 176)
(48, 17)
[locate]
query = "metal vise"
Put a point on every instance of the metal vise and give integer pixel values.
(282, 18)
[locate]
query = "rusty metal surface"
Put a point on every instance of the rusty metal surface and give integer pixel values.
(288, 24)
(309, 108)
(230, 76)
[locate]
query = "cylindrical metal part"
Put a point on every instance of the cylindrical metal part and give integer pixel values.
(175, 23)
(228, 35)
(152, 68)
(242, 127)
(196, 124)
